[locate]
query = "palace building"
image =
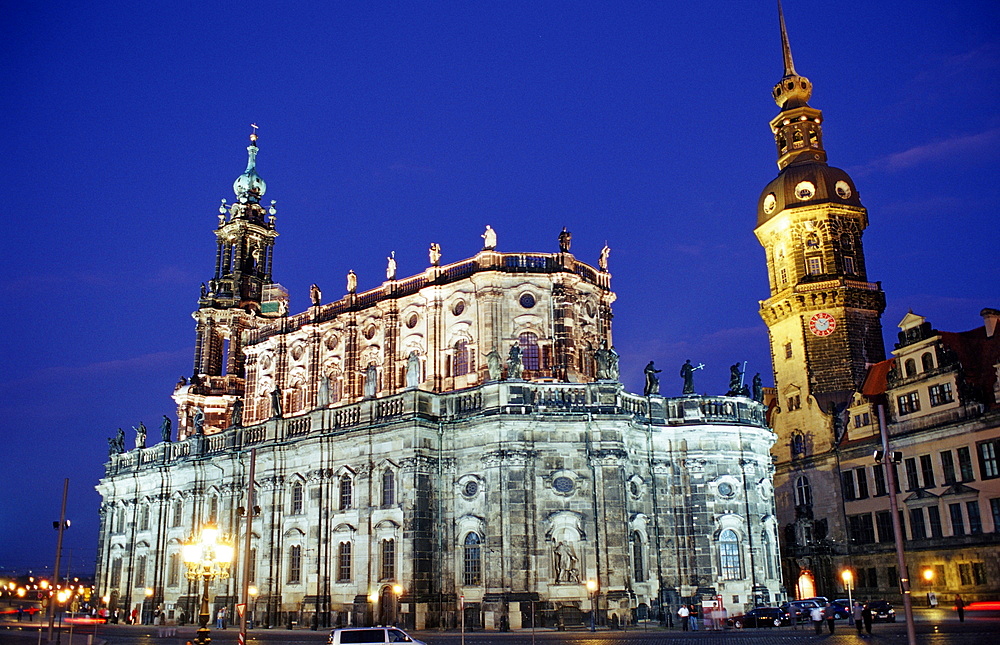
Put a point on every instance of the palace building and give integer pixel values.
(456, 438)
(940, 394)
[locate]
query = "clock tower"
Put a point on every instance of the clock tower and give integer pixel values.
(823, 317)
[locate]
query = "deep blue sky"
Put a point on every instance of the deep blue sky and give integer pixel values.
(388, 126)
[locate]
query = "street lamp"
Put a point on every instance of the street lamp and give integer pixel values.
(207, 558)
(928, 574)
(592, 588)
(848, 579)
(252, 591)
(397, 591)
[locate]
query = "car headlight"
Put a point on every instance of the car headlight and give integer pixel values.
(892, 611)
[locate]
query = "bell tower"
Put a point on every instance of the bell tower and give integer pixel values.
(823, 315)
(229, 304)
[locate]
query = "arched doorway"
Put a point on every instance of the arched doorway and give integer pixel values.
(386, 606)
(805, 586)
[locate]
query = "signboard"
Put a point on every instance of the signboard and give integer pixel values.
(241, 609)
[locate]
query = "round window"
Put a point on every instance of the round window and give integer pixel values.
(411, 322)
(805, 190)
(527, 301)
(563, 484)
(471, 488)
(370, 332)
(458, 307)
(634, 488)
(726, 489)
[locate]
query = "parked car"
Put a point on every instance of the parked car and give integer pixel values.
(801, 608)
(882, 611)
(842, 607)
(761, 617)
(370, 636)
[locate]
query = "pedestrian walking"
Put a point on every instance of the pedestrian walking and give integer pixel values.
(830, 614)
(816, 615)
(694, 618)
(960, 606)
(683, 613)
(866, 615)
(857, 613)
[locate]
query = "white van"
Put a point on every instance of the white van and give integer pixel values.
(370, 636)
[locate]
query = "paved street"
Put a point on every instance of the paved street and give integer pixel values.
(933, 628)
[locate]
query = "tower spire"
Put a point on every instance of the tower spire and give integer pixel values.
(786, 49)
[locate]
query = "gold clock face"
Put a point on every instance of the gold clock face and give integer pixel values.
(822, 324)
(769, 203)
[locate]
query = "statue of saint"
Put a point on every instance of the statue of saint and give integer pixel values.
(735, 379)
(758, 388)
(165, 429)
(613, 372)
(565, 240)
(371, 381)
(494, 364)
(687, 373)
(323, 392)
(435, 254)
(566, 567)
(204, 290)
(181, 382)
(652, 381)
(199, 421)
(236, 418)
(602, 260)
(413, 369)
(315, 295)
(602, 359)
(352, 282)
(140, 435)
(390, 269)
(112, 447)
(489, 238)
(275, 403)
(514, 365)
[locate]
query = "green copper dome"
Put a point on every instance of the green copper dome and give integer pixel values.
(249, 187)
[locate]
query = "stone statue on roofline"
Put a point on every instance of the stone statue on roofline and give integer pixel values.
(565, 240)
(687, 373)
(489, 239)
(435, 254)
(602, 259)
(165, 429)
(652, 381)
(390, 269)
(140, 435)
(315, 295)
(494, 364)
(413, 369)
(352, 282)
(514, 364)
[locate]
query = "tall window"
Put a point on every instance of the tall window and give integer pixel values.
(957, 521)
(140, 571)
(948, 467)
(940, 394)
(638, 563)
(878, 474)
(965, 464)
(848, 483)
(346, 492)
(388, 488)
(388, 560)
(917, 529)
(460, 365)
(862, 476)
(989, 467)
(814, 266)
(765, 541)
(927, 471)
(975, 521)
(295, 565)
(912, 478)
(529, 350)
(803, 492)
(296, 499)
(178, 513)
(344, 562)
(910, 367)
(213, 509)
(144, 518)
(995, 512)
(934, 519)
(849, 265)
(729, 555)
(473, 569)
(116, 572)
(174, 570)
(927, 361)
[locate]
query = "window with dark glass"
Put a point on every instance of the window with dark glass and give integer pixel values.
(978, 573)
(940, 394)
(912, 478)
(927, 471)
(847, 479)
(989, 467)
(862, 477)
(144, 518)
(927, 361)
(178, 513)
(460, 366)
(965, 573)
(918, 530)
(910, 367)
(965, 464)
(909, 403)
(346, 492)
(473, 562)
(295, 564)
(934, 519)
(638, 563)
(344, 562)
(803, 492)
(116, 572)
(860, 528)
(975, 520)
(885, 531)
(849, 265)
(729, 555)
(957, 521)
(388, 488)
(995, 512)
(529, 350)
(388, 560)
(878, 474)
(140, 571)
(213, 509)
(948, 467)
(296, 499)
(174, 570)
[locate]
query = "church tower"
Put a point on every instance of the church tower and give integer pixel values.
(231, 303)
(823, 318)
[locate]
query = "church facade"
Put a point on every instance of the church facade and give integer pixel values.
(457, 440)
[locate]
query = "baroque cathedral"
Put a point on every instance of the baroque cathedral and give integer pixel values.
(457, 446)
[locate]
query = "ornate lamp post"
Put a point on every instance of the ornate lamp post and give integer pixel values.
(207, 558)
(592, 588)
(848, 577)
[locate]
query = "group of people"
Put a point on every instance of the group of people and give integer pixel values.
(713, 618)
(861, 615)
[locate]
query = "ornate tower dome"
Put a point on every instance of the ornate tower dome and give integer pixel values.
(249, 187)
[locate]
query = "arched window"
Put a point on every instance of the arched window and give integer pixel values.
(116, 572)
(927, 361)
(529, 350)
(140, 571)
(765, 542)
(638, 564)
(803, 492)
(388, 488)
(729, 555)
(798, 444)
(174, 570)
(213, 509)
(178, 513)
(460, 362)
(344, 562)
(346, 492)
(388, 559)
(295, 564)
(473, 560)
(910, 367)
(144, 518)
(120, 521)
(296, 499)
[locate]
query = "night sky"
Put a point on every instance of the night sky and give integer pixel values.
(388, 126)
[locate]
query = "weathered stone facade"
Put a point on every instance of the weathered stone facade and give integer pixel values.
(459, 434)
